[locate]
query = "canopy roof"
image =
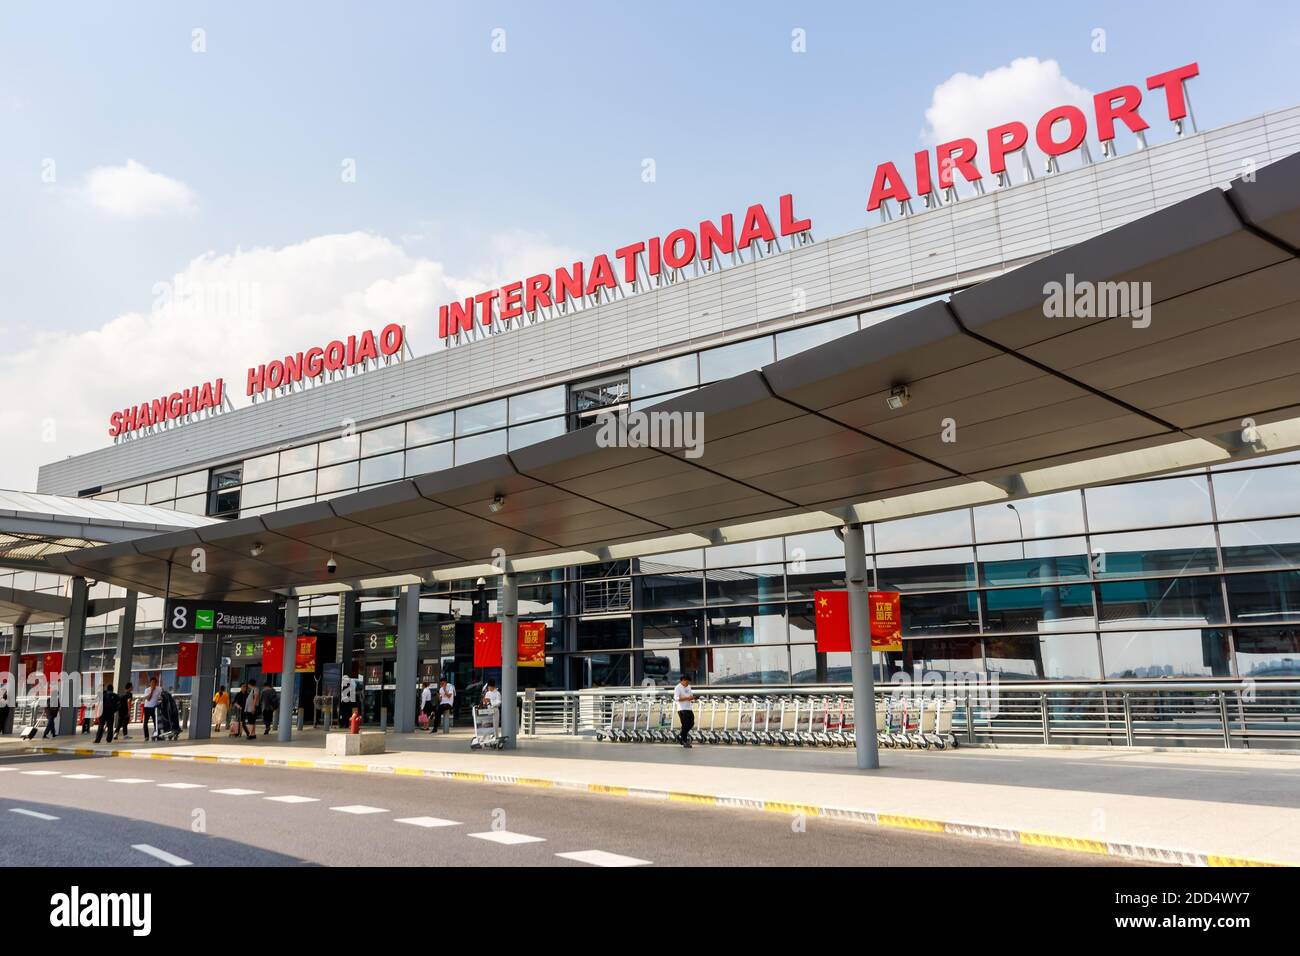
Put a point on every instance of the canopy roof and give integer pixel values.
(1038, 403)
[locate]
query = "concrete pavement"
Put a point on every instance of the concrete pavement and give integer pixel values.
(1196, 808)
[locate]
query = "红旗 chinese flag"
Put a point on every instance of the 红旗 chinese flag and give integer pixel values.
(187, 659)
(273, 655)
(487, 644)
(832, 620)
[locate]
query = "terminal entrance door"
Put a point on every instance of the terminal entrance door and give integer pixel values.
(381, 689)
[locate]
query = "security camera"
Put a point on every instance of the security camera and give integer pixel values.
(898, 397)
(331, 565)
(256, 549)
(498, 502)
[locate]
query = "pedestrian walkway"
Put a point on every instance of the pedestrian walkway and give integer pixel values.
(1198, 808)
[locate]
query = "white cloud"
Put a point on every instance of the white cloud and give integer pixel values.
(220, 314)
(1025, 89)
(135, 190)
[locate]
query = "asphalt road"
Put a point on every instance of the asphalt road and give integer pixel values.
(168, 813)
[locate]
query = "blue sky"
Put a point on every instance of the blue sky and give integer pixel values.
(468, 161)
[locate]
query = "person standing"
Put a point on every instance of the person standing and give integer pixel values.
(248, 716)
(105, 712)
(151, 696)
(123, 715)
(52, 711)
(6, 701)
(685, 713)
(426, 705)
(269, 699)
(446, 703)
(220, 707)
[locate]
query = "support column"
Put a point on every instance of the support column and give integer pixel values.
(74, 639)
(17, 689)
(204, 686)
(864, 694)
(408, 655)
(125, 643)
(508, 603)
(288, 658)
(346, 646)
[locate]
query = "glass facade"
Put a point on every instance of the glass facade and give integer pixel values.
(1191, 576)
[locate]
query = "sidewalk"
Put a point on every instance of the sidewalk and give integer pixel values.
(1195, 808)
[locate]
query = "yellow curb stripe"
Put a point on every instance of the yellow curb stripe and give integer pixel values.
(534, 782)
(909, 823)
(160, 756)
(606, 788)
(700, 798)
(466, 775)
(776, 806)
(253, 761)
(1236, 861)
(1056, 842)
(354, 767)
(84, 752)
(205, 758)
(409, 771)
(308, 764)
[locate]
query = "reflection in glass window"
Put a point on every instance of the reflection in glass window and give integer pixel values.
(381, 469)
(955, 612)
(480, 446)
(1261, 544)
(814, 576)
(1147, 504)
(380, 440)
(531, 434)
(608, 670)
(665, 667)
(1037, 609)
(744, 552)
(421, 431)
(670, 375)
(674, 561)
(671, 629)
(343, 448)
(336, 478)
(1257, 493)
(297, 459)
(794, 341)
(1147, 655)
(1169, 550)
(729, 360)
(267, 466)
(544, 403)
(1274, 595)
(926, 531)
(1157, 601)
(949, 656)
(1049, 656)
(545, 599)
(1268, 652)
(1039, 517)
(926, 570)
(816, 544)
(745, 585)
(427, 458)
(479, 418)
(599, 634)
(642, 403)
(297, 486)
(1034, 562)
(681, 589)
(749, 665)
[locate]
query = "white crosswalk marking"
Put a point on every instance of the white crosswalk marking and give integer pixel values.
(601, 858)
(32, 813)
(130, 780)
(506, 838)
(428, 822)
(158, 854)
(83, 776)
(183, 786)
(290, 798)
(8, 769)
(41, 773)
(238, 792)
(359, 808)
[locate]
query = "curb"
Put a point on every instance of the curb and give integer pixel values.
(1126, 851)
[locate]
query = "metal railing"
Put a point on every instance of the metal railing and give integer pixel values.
(1229, 715)
(29, 711)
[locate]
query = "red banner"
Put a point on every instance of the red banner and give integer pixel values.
(487, 644)
(53, 664)
(532, 644)
(32, 664)
(187, 659)
(304, 658)
(273, 655)
(884, 612)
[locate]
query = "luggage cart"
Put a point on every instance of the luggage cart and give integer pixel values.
(487, 729)
(783, 732)
(940, 734)
(168, 717)
(821, 733)
(835, 726)
(709, 734)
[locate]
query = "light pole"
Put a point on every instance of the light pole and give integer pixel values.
(1021, 525)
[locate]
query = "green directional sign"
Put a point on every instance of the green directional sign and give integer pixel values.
(203, 620)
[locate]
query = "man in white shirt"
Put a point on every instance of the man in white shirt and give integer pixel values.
(151, 697)
(684, 699)
(491, 696)
(446, 701)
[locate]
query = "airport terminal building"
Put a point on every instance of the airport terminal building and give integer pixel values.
(1193, 573)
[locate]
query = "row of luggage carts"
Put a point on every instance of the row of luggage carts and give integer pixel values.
(787, 721)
